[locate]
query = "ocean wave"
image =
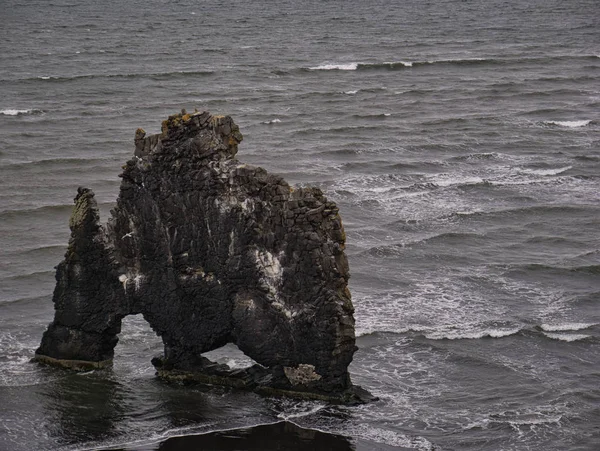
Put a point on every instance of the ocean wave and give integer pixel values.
(371, 116)
(166, 74)
(32, 299)
(444, 332)
(30, 275)
(537, 210)
(567, 337)
(545, 171)
(339, 66)
(551, 240)
(569, 124)
(61, 162)
(534, 267)
(341, 129)
(453, 237)
(394, 65)
(479, 156)
(16, 350)
(15, 112)
(563, 327)
(472, 334)
(406, 64)
(361, 66)
(388, 437)
(48, 209)
(587, 158)
(298, 409)
(459, 181)
(528, 417)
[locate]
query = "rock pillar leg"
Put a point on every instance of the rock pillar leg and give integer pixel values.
(89, 299)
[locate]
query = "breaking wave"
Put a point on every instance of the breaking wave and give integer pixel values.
(406, 64)
(566, 327)
(15, 112)
(545, 171)
(567, 337)
(471, 334)
(392, 65)
(569, 124)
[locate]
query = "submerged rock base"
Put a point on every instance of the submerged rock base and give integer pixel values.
(210, 251)
(265, 381)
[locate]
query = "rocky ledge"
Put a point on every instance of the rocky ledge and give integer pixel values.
(210, 251)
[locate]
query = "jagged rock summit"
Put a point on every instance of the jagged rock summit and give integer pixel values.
(211, 251)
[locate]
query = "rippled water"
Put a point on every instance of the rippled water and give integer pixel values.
(461, 141)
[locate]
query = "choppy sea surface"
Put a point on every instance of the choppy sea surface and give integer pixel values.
(461, 141)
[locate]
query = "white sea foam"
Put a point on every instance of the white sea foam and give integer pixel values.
(545, 171)
(566, 327)
(273, 121)
(471, 334)
(350, 93)
(299, 409)
(12, 112)
(569, 124)
(566, 337)
(389, 437)
(536, 421)
(395, 63)
(535, 416)
(453, 60)
(446, 180)
(16, 351)
(339, 66)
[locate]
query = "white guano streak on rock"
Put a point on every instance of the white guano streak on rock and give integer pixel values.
(272, 274)
(137, 280)
(123, 279)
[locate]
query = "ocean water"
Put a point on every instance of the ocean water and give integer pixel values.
(461, 141)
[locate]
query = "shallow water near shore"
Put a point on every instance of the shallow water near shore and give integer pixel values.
(461, 142)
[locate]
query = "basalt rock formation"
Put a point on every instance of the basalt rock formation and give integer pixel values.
(210, 251)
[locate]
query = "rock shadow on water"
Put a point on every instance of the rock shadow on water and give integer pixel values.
(281, 436)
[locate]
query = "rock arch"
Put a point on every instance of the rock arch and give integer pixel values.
(210, 251)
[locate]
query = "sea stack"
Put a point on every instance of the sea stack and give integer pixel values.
(210, 251)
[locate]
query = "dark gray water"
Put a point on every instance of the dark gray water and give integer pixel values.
(461, 140)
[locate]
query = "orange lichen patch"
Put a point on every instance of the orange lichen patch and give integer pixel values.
(164, 127)
(140, 133)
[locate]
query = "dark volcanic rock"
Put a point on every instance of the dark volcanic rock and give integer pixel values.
(210, 251)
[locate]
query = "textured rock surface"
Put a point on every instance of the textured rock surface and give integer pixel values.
(210, 251)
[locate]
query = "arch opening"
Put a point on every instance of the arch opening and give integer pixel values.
(231, 356)
(138, 343)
